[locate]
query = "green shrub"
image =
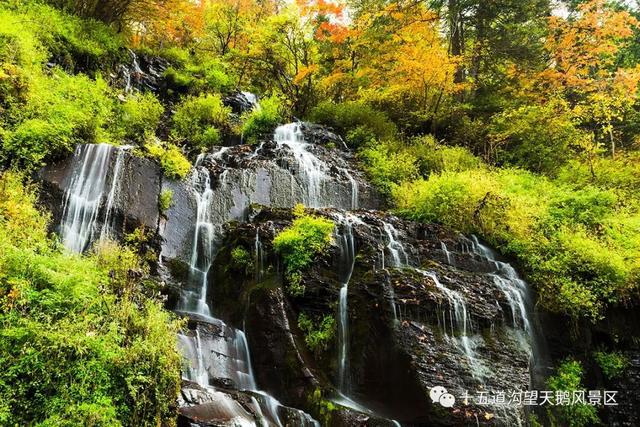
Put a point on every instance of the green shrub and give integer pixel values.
(174, 164)
(318, 334)
(538, 138)
(82, 339)
(195, 75)
(200, 121)
(165, 200)
(612, 363)
(263, 120)
(568, 377)
(386, 168)
(432, 157)
(241, 260)
(358, 122)
(299, 243)
(140, 116)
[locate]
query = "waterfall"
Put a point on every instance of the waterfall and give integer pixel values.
(399, 257)
(347, 263)
(84, 195)
(251, 99)
(354, 189)
(205, 238)
(259, 257)
(311, 168)
(459, 320)
(108, 226)
(223, 352)
(447, 254)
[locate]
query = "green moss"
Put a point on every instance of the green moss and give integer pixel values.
(241, 260)
(322, 407)
(165, 200)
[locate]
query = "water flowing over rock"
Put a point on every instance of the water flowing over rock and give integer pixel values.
(143, 72)
(415, 305)
(278, 173)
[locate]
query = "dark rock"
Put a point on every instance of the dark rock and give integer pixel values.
(240, 102)
(322, 135)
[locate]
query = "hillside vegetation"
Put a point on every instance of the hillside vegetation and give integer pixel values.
(525, 132)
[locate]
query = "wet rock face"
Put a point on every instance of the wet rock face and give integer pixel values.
(141, 72)
(322, 135)
(135, 192)
(404, 336)
(240, 102)
(268, 175)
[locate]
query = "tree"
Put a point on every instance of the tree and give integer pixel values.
(583, 51)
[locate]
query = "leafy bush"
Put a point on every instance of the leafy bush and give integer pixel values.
(306, 237)
(82, 339)
(44, 114)
(387, 168)
(195, 75)
(140, 116)
(432, 157)
(174, 164)
(263, 120)
(358, 122)
(200, 120)
(241, 260)
(538, 138)
(568, 377)
(612, 364)
(318, 334)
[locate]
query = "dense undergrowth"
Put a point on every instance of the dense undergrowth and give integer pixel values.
(83, 339)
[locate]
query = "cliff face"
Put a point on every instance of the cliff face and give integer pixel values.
(414, 306)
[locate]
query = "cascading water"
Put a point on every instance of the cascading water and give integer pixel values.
(312, 169)
(206, 235)
(399, 257)
(347, 262)
(219, 351)
(458, 319)
(84, 195)
(108, 226)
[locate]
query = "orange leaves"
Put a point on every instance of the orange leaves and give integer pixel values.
(581, 49)
(304, 73)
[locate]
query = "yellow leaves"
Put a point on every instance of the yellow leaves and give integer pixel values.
(304, 73)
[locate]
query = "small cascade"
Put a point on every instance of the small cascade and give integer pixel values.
(259, 257)
(396, 249)
(354, 189)
(458, 319)
(312, 169)
(347, 263)
(447, 254)
(84, 195)
(135, 71)
(108, 225)
(251, 99)
(205, 239)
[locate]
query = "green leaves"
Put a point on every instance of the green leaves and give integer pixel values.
(299, 243)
